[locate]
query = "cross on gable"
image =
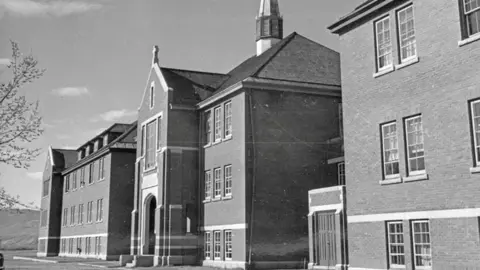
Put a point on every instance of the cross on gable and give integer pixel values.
(155, 54)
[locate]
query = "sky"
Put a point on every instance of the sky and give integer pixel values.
(98, 53)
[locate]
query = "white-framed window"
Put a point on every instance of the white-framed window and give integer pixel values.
(90, 174)
(89, 211)
(396, 248)
(218, 123)
(72, 215)
(79, 245)
(406, 33)
(63, 246)
(217, 245)
(152, 95)
(228, 180)
(150, 139)
(475, 110)
(88, 245)
(383, 43)
(65, 217)
(341, 173)
(159, 133)
(98, 245)
(74, 180)
(208, 185)
(82, 177)
(142, 144)
(208, 127)
(228, 119)
(422, 248)
(67, 183)
(208, 246)
(390, 150)
(80, 213)
(101, 169)
(415, 147)
(99, 210)
(228, 245)
(471, 17)
(217, 186)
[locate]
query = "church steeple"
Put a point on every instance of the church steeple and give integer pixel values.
(269, 25)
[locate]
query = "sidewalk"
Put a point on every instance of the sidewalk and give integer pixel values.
(80, 261)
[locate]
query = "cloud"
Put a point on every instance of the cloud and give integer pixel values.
(37, 8)
(114, 115)
(71, 91)
(4, 61)
(63, 136)
(35, 175)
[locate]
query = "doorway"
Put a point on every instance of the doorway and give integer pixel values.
(150, 232)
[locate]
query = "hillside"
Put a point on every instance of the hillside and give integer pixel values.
(19, 229)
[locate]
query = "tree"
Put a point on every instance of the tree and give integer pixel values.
(20, 121)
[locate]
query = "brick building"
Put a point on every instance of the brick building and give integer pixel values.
(225, 161)
(411, 108)
(87, 197)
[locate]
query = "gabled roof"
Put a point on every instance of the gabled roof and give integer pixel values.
(359, 12)
(209, 79)
(63, 158)
(117, 128)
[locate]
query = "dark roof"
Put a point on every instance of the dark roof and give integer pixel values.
(209, 79)
(117, 128)
(63, 158)
(359, 10)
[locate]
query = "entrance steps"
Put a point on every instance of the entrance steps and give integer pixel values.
(131, 261)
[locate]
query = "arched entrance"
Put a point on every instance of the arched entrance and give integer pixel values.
(149, 225)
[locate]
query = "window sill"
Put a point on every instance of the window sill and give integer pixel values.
(469, 40)
(229, 197)
(207, 145)
(149, 170)
(418, 177)
(227, 138)
(384, 71)
(389, 181)
(475, 170)
(407, 63)
(206, 200)
(216, 199)
(217, 142)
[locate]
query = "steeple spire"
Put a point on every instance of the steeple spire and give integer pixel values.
(269, 25)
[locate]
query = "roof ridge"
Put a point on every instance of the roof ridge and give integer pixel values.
(288, 39)
(195, 71)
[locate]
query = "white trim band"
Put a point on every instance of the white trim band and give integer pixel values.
(85, 235)
(325, 190)
(434, 214)
(48, 237)
(224, 227)
(319, 208)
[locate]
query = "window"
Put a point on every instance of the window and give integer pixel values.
(80, 213)
(208, 127)
(228, 245)
(218, 124)
(475, 108)
(396, 249)
(216, 245)
(152, 95)
(82, 177)
(72, 215)
(341, 173)
(159, 138)
(390, 150)
(74, 180)
(142, 150)
(46, 187)
(99, 210)
(79, 245)
(43, 218)
(406, 34)
(70, 245)
(415, 151)
(266, 27)
(383, 43)
(65, 216)
(101, 169)
(228, 119)
(90, 175)
(217, 188)
(208, 246)
(471, 17)
(421, 244)
(150, 146)
(89, 212)
(64, 246)
(228, 180)
(88, 247)
(208, 185)
(98, 245)
(67, 183)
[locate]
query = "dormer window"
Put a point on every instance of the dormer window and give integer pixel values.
(152, 95)
(105, 139)
(81, 153)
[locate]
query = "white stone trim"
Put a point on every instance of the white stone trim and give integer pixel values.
(150, 119)
(336, 160)
(84, 235)
(469, 40)
(162, 80)
(222, 263)
(176, 206)
(433, 214)
(338, 207)
(325, 190)
(145, 89)
(238, 226)
(178, 237)
(48, 237)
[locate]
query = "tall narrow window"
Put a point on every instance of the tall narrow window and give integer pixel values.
(99, 210)
(72, 215)
(415, 149)
(142, 147)
(208, 246)
(208, 185)
(217, 186)
(65, 216)
(396, 249)
(82, 177)
(98, 245)
(217, 245)
(390, 150)
(150, 146)
(383, 43)
(152, 95)
(228, 180)
(67, 183)
(79, 245)
(228, 245)
(101, 169)
(471, 14)
(90, 173)
(218, 124)
(89, 212)
(341, 173)
(88, 247)
(340, 119)
(406, 34)
(46, 186)
(421, 244)
(80, 213)
(475, 110)
(228, 119)
(208, 127)
(74, 180)
(159, 133)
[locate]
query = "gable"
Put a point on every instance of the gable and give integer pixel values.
(304, 60)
